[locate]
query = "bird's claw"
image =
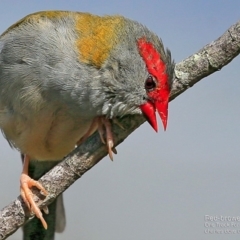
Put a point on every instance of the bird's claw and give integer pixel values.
(25, 184)
(115, 120)
(109, 137)
(103, 125)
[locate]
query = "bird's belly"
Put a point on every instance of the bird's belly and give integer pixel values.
(46, 136)
(53, 145)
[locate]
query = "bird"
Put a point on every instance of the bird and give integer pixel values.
(65, 75)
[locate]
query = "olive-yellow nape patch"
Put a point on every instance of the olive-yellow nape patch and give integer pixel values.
(97, 37)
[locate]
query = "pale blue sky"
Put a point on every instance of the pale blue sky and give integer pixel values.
(159, 186)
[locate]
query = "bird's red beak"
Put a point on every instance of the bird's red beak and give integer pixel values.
(149, 111)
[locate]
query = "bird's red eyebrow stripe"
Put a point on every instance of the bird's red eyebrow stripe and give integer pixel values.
(153, 61)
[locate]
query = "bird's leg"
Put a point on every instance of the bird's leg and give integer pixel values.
(109, 137)
(93, 127)
(98, 124)
(25, 184)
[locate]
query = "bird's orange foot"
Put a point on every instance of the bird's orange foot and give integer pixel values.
(25, 184)
(103, 125)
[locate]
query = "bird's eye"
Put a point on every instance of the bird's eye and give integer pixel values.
(150, 84)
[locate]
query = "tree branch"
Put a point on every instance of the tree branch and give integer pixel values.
(209, 59)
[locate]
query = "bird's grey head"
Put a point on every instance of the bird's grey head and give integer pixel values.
(135, 78)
